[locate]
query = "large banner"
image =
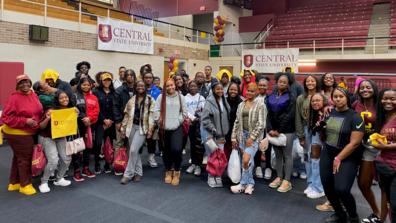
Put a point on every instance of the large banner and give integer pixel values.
(116, 35)
(270, 60)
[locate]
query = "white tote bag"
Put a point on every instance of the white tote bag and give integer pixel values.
(234, 167)
(278, 141)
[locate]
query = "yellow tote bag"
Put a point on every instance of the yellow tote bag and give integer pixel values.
(63, 122)
(1, 135)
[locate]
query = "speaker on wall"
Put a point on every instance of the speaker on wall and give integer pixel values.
(38, 33)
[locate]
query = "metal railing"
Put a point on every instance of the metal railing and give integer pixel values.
(339, 46)
(161, 28)
(264, 32)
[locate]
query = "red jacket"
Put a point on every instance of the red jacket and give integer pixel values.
(92, 106)
(18, 109)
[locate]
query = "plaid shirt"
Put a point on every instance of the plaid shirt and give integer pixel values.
(257, 117)
(147, 115)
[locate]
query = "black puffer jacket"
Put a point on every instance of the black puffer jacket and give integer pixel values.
(121, 98)
(106, 104)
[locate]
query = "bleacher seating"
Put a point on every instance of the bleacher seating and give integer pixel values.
(56, 9)
(331, 24)
(392, 33)
(68, 10)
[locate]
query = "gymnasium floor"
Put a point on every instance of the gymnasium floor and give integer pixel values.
(104, 199)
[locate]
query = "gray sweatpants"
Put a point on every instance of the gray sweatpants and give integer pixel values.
(284, 158)
(134, 166)
(55, 152)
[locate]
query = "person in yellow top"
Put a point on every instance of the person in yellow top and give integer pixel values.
(21, 116)
(224, 76)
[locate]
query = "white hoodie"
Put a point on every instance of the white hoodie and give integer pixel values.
(195, 104)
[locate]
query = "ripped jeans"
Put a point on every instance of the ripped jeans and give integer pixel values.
(247, 174)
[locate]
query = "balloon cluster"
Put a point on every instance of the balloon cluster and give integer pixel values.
(219, 24)
(173, 64)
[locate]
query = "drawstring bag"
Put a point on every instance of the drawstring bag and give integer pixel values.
(38, 160)
(120, 160)
(108, 151)
(234, 167)
(217, 162)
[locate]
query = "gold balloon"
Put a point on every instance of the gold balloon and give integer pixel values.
(175, 63)
(216, 21)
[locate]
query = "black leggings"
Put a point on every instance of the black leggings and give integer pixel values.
(268, 157)
(257, 159)
(100, 137)
(173, 148)
(196, 147)
(337, 187)
(388, 185)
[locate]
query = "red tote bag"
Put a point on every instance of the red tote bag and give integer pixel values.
(108, 151)
(120, 160)
(88, 138)
(38, 160)
(217, 163)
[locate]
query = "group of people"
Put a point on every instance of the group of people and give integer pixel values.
(333, 125)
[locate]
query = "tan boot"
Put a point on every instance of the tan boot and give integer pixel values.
(168, 177)
(176, 178)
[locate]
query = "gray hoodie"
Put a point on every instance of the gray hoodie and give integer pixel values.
(215, 120)
(173, 117)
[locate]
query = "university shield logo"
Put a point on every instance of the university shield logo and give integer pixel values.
(105, 33)
(248, 60)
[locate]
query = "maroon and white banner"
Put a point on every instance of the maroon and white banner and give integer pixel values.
(116, 35)
(270, 60)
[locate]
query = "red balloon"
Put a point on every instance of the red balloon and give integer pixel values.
(217, 28)
(170, 65)
(221, 39)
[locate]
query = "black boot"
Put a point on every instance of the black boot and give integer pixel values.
(354, 219)
(337, 218)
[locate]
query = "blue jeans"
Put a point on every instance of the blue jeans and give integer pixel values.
(312, 165)
(247, 174)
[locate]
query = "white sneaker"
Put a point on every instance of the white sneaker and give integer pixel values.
(219, 182)
(249, 189)
(197, 171)
(267, 173)
(295, 174)
(315, 195)
(237, 189)
(307, 190)
(303, 176)
(62, 182)
(44, 188)
(151, 161)
(259, 172)
(184, 151)
(190, 169)
(211, 182)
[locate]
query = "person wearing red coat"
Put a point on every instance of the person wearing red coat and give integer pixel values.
(88, 106)
(21, 117)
